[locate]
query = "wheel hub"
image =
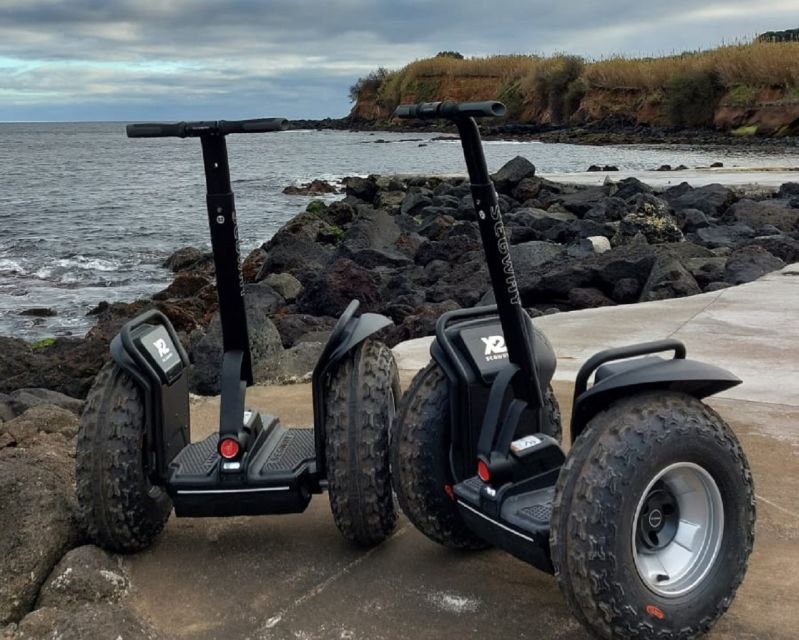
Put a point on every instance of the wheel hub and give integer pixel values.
(678, 529)
(659, 518)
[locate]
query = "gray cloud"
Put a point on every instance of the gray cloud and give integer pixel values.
(148, 58)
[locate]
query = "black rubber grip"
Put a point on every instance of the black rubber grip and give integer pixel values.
(430, 110)
(197, 129)
(157, 130)
(259, 125)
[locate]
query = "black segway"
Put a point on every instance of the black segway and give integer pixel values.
(649, 521)
(135, 457)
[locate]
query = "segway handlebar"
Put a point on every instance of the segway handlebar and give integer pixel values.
(197, 129)
(452, 110)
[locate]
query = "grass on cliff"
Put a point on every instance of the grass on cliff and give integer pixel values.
(557, 84)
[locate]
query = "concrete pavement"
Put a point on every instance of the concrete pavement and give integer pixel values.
(294, 577)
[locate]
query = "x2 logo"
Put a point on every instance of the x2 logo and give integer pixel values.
(495, 348)
(163, 350)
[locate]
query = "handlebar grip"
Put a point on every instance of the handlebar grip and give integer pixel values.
(157, 130)
(430, 110)
(258, 125)
(487, 109)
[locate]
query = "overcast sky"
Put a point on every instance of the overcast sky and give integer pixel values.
(176, 59)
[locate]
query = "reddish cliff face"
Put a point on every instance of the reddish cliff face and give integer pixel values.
(765, 111)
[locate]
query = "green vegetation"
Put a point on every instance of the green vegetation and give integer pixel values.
(687, 86)
(316, 207)
(43, 343)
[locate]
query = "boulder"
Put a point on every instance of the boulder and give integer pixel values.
(294, 254)
(297, 363)
(361, 188)
(527, 189)
(331, 291)
(23, 399)
(415, 201)
(784, 247)
(706, 270)
(512, 173)
(421, 322)
(788, 190)
(628, 188)
(37, 522)
(185, 285)
(626, 290)
(691, 219)
(284, 284)
(44, 418)
(668, 279)
(588, 298)
(528, 257)
(750, 263)
(607, 210)
(583, 200)
(189, 259)
(295, 326)
(655, 228)
(84, 574)
(760, 214)
(712, 199)
(103, 621)
(723, 235)
(312, 188)
(265, 344)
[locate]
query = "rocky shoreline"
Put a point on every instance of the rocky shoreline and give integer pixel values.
(407, 247)
(595, 133)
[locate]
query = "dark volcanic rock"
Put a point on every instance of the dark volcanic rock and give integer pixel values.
(712, 199)
(628, 188)
(360, 188)
(723, 235)
(313, 188)
(668, 279)
(102, 621)
(189, 259)
(39, 312)
(293, 327)
(512, 173)
(784, 247)
(333, 289)
(37, 523)
(760, 214)
(750, 263)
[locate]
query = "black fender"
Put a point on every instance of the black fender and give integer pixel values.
(165, 393)
(629, 376)
(349, 332)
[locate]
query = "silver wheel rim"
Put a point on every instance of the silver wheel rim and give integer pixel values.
(678, 528)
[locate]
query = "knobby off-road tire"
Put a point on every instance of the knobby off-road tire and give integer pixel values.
(360, 406)
(420, 459)
(117, 505)
(597, 496)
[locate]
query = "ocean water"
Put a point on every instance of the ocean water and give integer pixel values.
(87, 215)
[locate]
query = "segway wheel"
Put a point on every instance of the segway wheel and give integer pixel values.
(653, 519)
(360, 407)
(117, 505)
(421, 469)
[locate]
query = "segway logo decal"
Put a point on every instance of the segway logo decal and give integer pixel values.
(504, 251)
(495, 347)
(163, 350)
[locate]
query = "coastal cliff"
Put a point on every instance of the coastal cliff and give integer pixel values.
(744, 90)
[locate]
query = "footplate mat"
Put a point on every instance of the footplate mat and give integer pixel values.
(198, 458)
(295, 447)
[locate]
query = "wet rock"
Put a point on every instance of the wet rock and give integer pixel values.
(85, 574)
(668, 279)
(759, 214)
(594, 168)
(189, 259)
(360, 188)
(313, 188)
(39, 312)
(37, 523)
(185, 285)
(750, 263)
(284, 284)
(512, 173)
